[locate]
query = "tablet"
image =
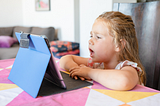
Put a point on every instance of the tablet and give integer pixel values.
(52, 72)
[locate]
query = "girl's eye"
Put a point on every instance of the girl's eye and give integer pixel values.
(91, 34)
(98, 37)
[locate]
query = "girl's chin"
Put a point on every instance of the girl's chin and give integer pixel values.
(94, 59)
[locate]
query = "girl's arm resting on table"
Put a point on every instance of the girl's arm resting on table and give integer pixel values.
(124, 79)
(70, 61)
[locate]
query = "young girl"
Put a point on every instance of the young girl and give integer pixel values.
(114, 60)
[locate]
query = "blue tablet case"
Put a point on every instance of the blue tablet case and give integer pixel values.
(30, 65)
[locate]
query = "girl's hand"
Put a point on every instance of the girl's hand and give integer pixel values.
(80, 71)
(75, 68)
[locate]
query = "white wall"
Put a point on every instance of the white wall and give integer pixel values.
(61, 17)
(11, 13)
(23, 13)
(124, 1)
(89, 11)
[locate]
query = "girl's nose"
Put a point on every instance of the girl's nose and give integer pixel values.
(90, 42)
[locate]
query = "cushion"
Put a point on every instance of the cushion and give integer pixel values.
(60, 54)
(7, 41)
(19, 28)
(48, 32)
(61, 48)
(6, 31)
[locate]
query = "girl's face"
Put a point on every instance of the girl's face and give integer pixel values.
(101, 44)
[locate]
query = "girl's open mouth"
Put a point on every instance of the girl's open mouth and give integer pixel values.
(91, 52)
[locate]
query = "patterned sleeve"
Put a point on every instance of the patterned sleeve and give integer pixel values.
(129, 63)
(90, 63)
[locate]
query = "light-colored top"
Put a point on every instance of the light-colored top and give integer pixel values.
(91, 64)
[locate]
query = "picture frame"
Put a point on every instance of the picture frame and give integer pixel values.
(42, 5)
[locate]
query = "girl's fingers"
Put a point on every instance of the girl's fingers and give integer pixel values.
(73, 68)
(75, 77)
(82, 78)
(71, 72)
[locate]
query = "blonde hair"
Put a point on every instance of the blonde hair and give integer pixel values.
(122, 28)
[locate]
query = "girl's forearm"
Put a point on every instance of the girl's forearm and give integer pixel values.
(69, 61)
(66, 62)
(113, 79)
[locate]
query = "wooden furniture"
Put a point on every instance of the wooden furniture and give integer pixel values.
(146, 17)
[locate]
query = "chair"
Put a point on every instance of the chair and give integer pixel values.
(146, 17)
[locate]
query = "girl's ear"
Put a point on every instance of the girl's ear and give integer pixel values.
(117, 48)
(121, 46)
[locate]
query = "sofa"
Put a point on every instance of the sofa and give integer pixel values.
(9, 45)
